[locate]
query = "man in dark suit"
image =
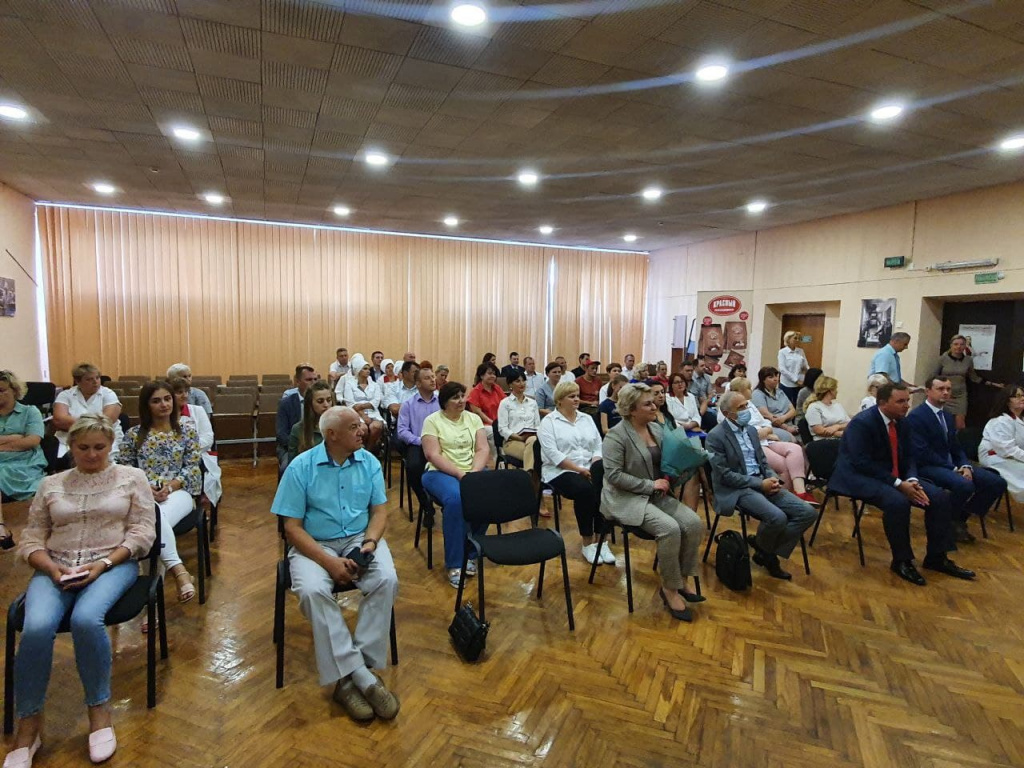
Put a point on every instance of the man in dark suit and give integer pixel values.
(876, 464)
(941, 459)
(513, 367)
(289, 409)
(743, 479)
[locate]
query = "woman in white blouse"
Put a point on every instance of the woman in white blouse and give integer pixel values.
(363, 394)
(792, 366)
(825, 415)
(787, 459)
(519, 421)
(682, 405)
(570, 448)
(1002, 442)
(87, 396)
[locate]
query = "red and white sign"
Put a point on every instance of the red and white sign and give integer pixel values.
(723, 306)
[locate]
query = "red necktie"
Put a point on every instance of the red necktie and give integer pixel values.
(894, 446)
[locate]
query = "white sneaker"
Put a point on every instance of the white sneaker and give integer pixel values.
(453, 577)
(607, 557)
(590, 553)
(470, 569)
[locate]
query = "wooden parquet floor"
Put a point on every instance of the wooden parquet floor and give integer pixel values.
(847, 667)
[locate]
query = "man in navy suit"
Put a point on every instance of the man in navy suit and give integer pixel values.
(289, 409)
(512, 368)
(941, 459)
(876, 464)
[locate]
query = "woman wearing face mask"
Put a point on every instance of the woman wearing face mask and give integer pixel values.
(306, 434)
(87, 396)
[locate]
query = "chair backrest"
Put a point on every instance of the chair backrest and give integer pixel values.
(234, 404)
(268, 401)
(129, 404)
(41, 394)
(805, 431)
(498, 496)
(498, 439)
(139, 379)
(243, 380)
(970, 439)
(206, 381)
(501, 383)
(228, 389)
(822, 456)
(277, 378)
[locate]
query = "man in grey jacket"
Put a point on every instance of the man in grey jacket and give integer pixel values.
(742, 479)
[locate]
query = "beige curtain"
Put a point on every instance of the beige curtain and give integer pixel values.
(135, 292)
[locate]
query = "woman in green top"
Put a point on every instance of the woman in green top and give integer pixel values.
(306, 433)
(22, 464)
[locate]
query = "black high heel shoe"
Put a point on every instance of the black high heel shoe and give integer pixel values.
(6, 542)
(683, 615)
(691, 597)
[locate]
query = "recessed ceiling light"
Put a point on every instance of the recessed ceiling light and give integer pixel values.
(342, 210)
(379, 159)
(652, 193)
(468, 14)
(213, 198)
(629, 237)
(451, 221)
(545, 229)
(756, 206)
(528, 178)
(104, 188)
(12, 112)
(710, 73)
(885, 112)
(1012, 143)
(188, 134)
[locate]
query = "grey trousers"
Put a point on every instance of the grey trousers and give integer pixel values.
(338, 653)
(783, 517)
(678, 534)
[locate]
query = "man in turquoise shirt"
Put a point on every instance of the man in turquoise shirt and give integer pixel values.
(887, 360)
(332, 500)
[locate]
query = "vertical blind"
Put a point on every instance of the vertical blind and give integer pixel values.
(134, 292)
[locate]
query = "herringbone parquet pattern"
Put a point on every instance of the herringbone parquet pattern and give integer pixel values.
(847, 667)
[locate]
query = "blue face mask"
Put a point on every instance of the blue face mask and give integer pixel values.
(743, 418)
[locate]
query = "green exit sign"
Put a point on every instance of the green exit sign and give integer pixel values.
(981, 278)
(895, 262)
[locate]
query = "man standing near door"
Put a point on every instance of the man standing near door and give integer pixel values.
(887, 361)
(792, 366)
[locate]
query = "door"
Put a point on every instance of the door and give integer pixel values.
(812, 335)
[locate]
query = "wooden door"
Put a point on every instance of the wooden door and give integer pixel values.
(812, 335)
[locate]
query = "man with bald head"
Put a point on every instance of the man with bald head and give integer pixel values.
(332, 499)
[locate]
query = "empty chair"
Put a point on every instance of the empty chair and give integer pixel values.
(140, 379)
(234, 425)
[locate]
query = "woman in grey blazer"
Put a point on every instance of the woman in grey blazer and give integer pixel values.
(636, 494)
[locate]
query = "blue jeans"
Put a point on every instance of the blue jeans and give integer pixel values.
(45, 606)
(445, 489)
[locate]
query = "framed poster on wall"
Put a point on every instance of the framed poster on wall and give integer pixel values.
(876, 322)
(724, 332)
(8, 303)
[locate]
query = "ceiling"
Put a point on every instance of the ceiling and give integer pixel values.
(289, 95)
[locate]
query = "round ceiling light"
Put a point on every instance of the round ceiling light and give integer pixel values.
(885, 112)
(528, 178)
(185, 133)
(652, 193)
(451, 221)
(757, 206)
(378, 159)
(711, 73)
(468, 14)
(104, 188)
(342, 210)
(12, 112)
(213, 198)
(629, 237)
(545, 229)
(1012, 143)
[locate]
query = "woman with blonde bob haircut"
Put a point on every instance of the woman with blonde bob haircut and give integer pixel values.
(636, 493)
(87, 529)
(825, 415)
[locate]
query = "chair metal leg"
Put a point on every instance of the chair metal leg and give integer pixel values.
(858, 513)
(430, 541)
(743, 525)
(206, 545)
(401, 486)
(984, 529)
(568, 593)
(151, 655)
(629, 570)
(593, 565)
(161, 617)
(279, 632)
(711, 537)
(201, 569)
(394, 640)
(705, 489)
(803, 550)
(696, 584)
(480, 585)
(540, 579)
(558, 509)
(462, 578)
(9, 677)
(821, 514)
(1009, 511)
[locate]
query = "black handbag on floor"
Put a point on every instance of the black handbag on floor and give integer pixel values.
(469, 634)
(732, 561)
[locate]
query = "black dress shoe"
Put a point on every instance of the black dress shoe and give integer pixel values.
(950, 568)
(691, 597)
(906, 571)
(771, 564)
(963, 535)
(683, 615)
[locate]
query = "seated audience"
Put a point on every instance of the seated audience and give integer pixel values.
(333, 502)
(289, 410)
(168, 452)
(95, 520)
(339, 368)
(485, 397)
(629, 365)
(608, 409)
(570, 450)
(739, 371)
(411, 416)
(787, 460)
(441, 377)
(941, 459)
(876, 463)
(637, 494)
(195, 396)
(581, 369)
(663, 417)
(363, 395)
(409, 357)
(490, 358)
(426, 364)
(825, 415)
(454, 443)
(518, 422)
(22, 464)
(567, 375)
(401, 390)
(682, 405)
(807, 389)
(590, 388)
(661, 374)
(512, 367)
(546, 391)
(306, 434)
(774, 405)
(875, 380)
(533, 377)
(743, 480)
(1002, 442)
(613, 370)
(196, 416)
(389, 376)
(377, 366)
(86, 396)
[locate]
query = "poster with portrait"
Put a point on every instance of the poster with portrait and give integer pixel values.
(981, 344)
(876, 322)
(7, 297)
(724, 332)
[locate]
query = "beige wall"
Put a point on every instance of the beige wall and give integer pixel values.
(815, 265)
(19, 335)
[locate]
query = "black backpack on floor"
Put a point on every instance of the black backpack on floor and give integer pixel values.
(732, 561)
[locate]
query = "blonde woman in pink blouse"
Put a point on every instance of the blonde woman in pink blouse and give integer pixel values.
(86, 530)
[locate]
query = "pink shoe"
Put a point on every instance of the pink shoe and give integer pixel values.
(102, 745)
(22, 758)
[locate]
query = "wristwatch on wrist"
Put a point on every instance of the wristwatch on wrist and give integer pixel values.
(107, 562)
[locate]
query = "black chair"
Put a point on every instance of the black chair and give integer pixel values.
(805, 431)
(822, 456)
(147, 593)
(41, 394)
(503, 458)
(743, 527)
(627, 531)
(197, 519)
(970, 439)
(427, 518)
(556, 497)
(500, 497)
(284, 583)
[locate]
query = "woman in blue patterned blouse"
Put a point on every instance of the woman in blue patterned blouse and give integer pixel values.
(168, 452)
